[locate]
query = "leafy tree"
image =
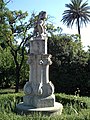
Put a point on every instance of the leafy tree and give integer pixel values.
(88, 70)
(7, 68)
(15, 32)
(68, 71)
(52, 30)
(78, 12)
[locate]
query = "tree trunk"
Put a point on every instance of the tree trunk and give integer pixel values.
(17, 79)
(18, 66)
(78, 26)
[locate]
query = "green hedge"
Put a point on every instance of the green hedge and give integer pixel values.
(75, 108)
(9, 101)
(83, 102)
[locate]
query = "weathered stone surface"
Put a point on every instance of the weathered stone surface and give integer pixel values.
(39, 91)
(39, 102)
(38, 46)
(39, 25)
(26, 109)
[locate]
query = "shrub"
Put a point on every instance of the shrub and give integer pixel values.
(73, 110)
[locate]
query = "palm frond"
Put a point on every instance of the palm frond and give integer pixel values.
(77, 12)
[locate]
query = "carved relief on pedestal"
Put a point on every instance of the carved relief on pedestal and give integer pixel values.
(47, 87)
(27, 88)
(34, 86)
(39, 85)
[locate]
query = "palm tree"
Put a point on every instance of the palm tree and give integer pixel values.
(77, 12)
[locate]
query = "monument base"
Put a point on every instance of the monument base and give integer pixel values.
(21, 108)
(39, 102)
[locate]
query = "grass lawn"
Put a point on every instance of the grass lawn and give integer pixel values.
(75, 107)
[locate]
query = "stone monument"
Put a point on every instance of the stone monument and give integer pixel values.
(39, 91)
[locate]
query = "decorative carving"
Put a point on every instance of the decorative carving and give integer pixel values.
(48, 89)
(45, 59)
(39, 26)
(27, 88)
(39, 90)
(33, 89)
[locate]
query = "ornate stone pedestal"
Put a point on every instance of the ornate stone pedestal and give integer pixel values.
(39, 91)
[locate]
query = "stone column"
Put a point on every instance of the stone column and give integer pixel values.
(39, 85)
(39, 91)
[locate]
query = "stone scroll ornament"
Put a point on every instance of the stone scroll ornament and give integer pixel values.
(39, 25)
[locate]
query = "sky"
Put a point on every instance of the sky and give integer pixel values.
(54, 8)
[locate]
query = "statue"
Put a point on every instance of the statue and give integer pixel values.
(39, 91)
(39, 26)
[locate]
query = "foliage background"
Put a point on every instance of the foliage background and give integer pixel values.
(71, 63)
